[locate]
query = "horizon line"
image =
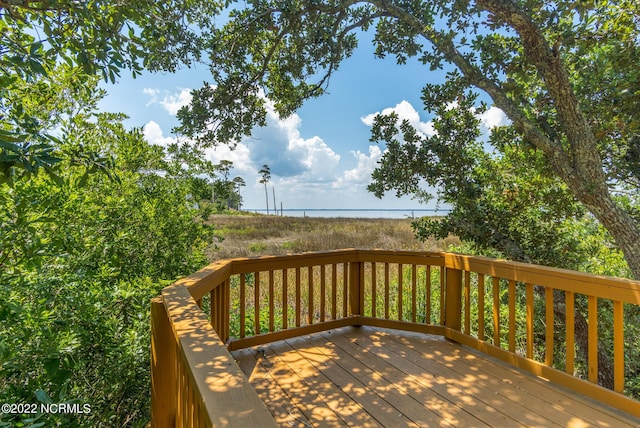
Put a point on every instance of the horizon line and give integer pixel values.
(349, 209)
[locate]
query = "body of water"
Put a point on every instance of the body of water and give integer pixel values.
(355, 213)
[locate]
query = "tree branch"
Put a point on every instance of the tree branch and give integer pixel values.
(551, 148)
(586, 160)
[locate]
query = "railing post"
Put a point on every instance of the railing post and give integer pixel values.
(356, 292)
(163, 367)
(453, 299)
(220, 310)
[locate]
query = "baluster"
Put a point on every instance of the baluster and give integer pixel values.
(374, 303)
(242, 305)
(256, 303)
(345, 289)
(428, 296)
(298, 297)
(271, 302)
(310, 291)
(400, 291)
(442, 276)
(334, 291)
(495, 288)
(549, 342)
(214, 310)
(512, 316)
(323, 296)
(226, 291)
(481, 306)
(593, 338)
(618, 346)
(571, 337)
(530, 315)
(285, 298)
(386, 291)
(414, 293)
(467, 302)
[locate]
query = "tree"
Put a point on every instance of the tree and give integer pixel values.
(238, 182)
(93, 38)
(226, 192)
(265, 173)
(564, 73)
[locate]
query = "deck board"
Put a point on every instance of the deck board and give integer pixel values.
(369, 377)
(556, 404)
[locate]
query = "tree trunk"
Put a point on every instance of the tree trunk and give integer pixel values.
(580, 164)
(622, 227)
(275, 207)
(266, 195)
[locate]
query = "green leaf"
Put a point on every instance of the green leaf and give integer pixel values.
(37, 68)
(35, 47)
(43, 397)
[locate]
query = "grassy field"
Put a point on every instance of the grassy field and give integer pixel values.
(241, 236)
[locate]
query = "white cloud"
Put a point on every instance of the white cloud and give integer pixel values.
(492, 118)
(404, 110)
(153, 93)
(361, 174)
(299, 166)
(314, 153)
(153, 134)
(171, 102)
(281, 146)
(240, 156)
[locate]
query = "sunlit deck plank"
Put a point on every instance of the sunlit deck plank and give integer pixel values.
(403, 390)
(563, 405)
(318, 382)
(300, 388)
(534, 397)
(462, 385)
(378, 411)
(283, 409)
(369, 376)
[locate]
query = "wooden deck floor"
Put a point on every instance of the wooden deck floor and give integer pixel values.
(375, 377)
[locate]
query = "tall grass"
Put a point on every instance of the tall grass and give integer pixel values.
(241, 236)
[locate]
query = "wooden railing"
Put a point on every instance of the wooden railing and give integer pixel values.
(487, 304)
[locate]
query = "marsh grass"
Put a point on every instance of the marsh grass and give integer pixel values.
(244, 236)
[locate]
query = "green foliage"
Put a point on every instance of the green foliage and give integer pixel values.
(44, 43)
(80, 259)
(256, 247)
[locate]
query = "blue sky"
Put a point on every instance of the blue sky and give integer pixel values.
(320, 157)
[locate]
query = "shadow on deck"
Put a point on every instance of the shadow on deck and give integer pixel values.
(369, 377)
(372, 337)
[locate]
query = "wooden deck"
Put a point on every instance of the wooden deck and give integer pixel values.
(375, 377)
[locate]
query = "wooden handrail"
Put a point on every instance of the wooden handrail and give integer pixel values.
(463, 298)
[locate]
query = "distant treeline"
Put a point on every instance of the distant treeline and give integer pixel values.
(356, 212)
